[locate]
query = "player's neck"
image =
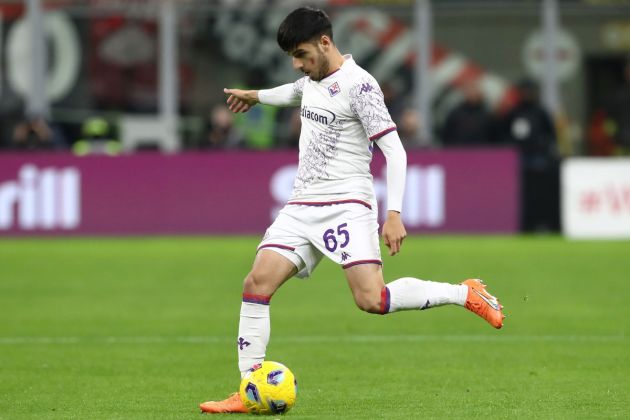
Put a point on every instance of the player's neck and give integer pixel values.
(336, 60)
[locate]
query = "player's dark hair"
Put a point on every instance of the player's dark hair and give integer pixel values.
(305, 24)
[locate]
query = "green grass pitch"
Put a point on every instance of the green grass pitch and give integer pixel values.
(146, 328)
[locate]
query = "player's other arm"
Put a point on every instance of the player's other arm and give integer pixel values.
(393, 229)
(367, 103)
(286, 95)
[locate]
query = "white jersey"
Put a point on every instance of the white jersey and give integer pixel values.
(341, 116)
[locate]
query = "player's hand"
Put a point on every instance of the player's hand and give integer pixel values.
(241, 100)
(393, 232)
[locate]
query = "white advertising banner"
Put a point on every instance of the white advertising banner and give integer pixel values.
(596, 198)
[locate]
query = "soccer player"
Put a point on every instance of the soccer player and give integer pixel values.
(332, 211)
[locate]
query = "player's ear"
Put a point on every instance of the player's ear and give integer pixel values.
(325, 42)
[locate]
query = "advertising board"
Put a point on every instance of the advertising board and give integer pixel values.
(596, 198)
(465, 191)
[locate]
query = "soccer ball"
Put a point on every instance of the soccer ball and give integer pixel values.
(268, 388)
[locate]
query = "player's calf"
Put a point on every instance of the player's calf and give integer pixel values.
(366, 283)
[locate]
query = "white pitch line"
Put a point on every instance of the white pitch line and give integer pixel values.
(418, 338)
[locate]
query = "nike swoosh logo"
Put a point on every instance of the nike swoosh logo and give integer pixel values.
(493, 303)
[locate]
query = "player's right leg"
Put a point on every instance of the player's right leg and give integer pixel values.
(271, 269)
(269, 272)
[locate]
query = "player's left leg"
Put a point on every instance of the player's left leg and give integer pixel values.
(372, 295)
(367, 285)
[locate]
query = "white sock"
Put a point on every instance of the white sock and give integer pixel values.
(409, 293)
(253, 334)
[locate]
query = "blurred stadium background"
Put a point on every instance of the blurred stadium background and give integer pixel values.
(518, 89)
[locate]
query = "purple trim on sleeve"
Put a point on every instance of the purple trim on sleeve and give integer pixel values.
(382, 133)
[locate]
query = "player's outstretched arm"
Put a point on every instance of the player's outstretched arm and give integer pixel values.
(241, 100)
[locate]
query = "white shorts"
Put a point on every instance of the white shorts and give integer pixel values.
(347, 233)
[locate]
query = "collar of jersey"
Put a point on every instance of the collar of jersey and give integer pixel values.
(347, 58)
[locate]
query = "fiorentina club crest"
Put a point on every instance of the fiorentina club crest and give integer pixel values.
(334, 89)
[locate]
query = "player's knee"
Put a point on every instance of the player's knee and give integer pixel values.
(256, 283)
(369, 303)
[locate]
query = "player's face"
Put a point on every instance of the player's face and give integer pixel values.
(310, 59)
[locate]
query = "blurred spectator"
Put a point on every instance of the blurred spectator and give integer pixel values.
(530, 128)
(469, 123)
(97, 139)
(393, 100)
(35, 133)
(409, 126)
(289, 127)
(600, 134)
(258, 126)
(618, 112)
(219, 132)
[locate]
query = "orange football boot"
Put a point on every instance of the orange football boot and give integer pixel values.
(483, 303)
(231, 404)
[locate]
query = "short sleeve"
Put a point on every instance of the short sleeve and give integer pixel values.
(368, 104)
(298, 86)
